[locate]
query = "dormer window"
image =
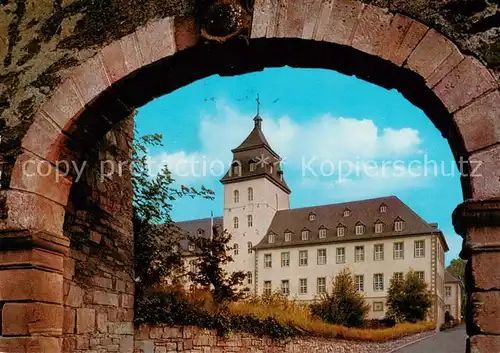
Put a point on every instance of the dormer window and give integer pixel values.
(399, 225)
(360, 229)
(252, 166)
(383, 208)
(271, 169)
(347, 212)
(379, 227)
(236, 169)
(280, 173)
(322, 233)
(288, 236)
(201, 232)
(305, 234)
(340, 231)
(312, 216)
(271, 238)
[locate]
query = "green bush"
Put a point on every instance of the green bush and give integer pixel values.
(345, 305)
(408, 299)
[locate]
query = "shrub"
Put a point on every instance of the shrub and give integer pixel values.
(345, 305)
(408, 299)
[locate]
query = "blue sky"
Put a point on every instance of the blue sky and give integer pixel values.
(341, 139)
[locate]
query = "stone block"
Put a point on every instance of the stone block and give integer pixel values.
(127, 344)
(172, 332)
(478, 122)
(64, 105)
(372, 26)
(156, 332)
(485, 311)
(486, 269)
(402, 37)
(15, 319)
(91, 79)
(430, 53)
(483, 344)
(342, 21)
(102, 319)
(105, 298)
(102, 282)
(485, 174)
(263, 15)
(120, 58)
(467, 81)
(75, 296)
(156, 40)
(31, 284)
(321, 20)
(69, 320)
(85, 320)
(127, 301)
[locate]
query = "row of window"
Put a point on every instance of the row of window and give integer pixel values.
(252, 167)
(378, 283)
(236, 221)
(340, 254)
(236, 248)
(359, 229)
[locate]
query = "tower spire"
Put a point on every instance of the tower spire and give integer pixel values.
(258, 120)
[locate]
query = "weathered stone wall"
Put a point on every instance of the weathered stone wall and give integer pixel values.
(166, 339)
(98, 282)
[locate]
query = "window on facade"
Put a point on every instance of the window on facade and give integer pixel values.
(235, 222)
(419, 248)
(378, 252)
(288, 236)
(398, 226)
(285, 259)
(249, 277)
(236, 169)
(378, 306)
(250, 194)
(268, 261)
(322, 233)
(421, 275)
(271, 169)
(303, 286)
(447, 291)
(359, 254)
(201, 232)
(379, 227)
(312, 216)
(249, 247)
(236, 196)
(321, 256)
(252, 166)
(360, 229)
(321, 285)
(305, 234)
(383, 208)
(378, 282)
(347, 212)
(340, 231)
(340, 255)
(250, 220)
(285, 287)
(271, 238)
(397, 276)
(303, 257)
(399, 251)
(236, 249)
(192, 266)
(360, 282)
(268, 289)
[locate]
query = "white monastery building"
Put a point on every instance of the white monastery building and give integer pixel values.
(299, 251)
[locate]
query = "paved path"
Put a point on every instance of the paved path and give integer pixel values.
(451, 341)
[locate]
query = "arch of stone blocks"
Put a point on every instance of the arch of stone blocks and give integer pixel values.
(458, 93)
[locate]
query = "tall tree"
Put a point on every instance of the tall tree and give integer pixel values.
(213, 254)
(345, 305)
(457, 269)
(409, 298)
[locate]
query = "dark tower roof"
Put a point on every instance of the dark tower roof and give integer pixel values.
(256, 150)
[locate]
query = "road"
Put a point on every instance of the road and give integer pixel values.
(451, 341)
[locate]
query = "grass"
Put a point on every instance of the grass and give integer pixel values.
(297, 315)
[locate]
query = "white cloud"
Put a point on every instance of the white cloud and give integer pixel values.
(325, 138)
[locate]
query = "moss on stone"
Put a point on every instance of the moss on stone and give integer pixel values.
(50, 77)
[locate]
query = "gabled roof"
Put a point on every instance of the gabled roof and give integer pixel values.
(364, 212)
(449, 278)
(192, 227)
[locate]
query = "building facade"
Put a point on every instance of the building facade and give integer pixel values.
(453, 296)
(299, 251)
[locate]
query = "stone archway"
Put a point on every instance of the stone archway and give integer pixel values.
(458, 93)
